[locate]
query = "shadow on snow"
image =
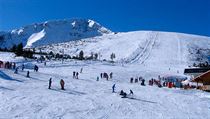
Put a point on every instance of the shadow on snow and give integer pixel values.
(69, 91)
(4, 88)
(7, 77)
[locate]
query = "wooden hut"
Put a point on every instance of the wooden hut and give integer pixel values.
(204, 79)
(195, 72)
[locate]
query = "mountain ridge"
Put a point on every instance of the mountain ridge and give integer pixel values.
(56, 31)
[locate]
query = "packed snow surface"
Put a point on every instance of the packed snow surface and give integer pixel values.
(30, 98)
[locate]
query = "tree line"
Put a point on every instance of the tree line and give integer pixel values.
(29, 53)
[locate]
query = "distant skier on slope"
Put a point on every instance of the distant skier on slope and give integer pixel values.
(121, 92)
(81, 70)
(74, 74)
(77, 75)
(110, 75)
(131, 92)
(23, 67)
(124, 94)
(113, 88)
(136, 80)
(27, 74)
(97, 78)
(106, 76)
(62, 83)
(131, 80)
(36, 68)
(50, 82)
(142, 82)
(16, 70)
(101, 75)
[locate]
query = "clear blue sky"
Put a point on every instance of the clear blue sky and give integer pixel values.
(187, 16)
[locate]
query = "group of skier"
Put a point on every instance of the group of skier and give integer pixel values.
(62, 84)
(106, 76)
(7, 65)
(156, 82)
(75, 75)
(136, 80)
(122, 93)
(36, 68)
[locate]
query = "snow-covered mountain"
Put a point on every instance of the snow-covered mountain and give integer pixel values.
(75, 35)
(141, 47)
(51, 32)
(147, 54)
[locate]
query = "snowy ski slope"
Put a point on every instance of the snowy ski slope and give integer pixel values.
(140, 47)
(86, 98)
(142, 53)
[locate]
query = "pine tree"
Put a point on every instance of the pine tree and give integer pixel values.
(19, 50)
(14, 48)
(81, 55)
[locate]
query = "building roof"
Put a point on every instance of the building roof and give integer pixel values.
(203, 78)
(197, 70)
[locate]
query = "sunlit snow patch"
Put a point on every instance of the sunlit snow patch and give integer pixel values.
(34, 38)
(91, 23)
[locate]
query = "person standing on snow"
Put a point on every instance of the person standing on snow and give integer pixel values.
(110, 75)
(74, 74)
(16, 70)
(101, 75)
(50, 82)
(142, 82)
(131, 92)
(136, 80)
(131, 80)
(121, 92)
(81, 70)
(27, 74)
(97, 78)
(36, 68)
(62, 83)
(77, 75)
(113, 88)
(23, 67)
